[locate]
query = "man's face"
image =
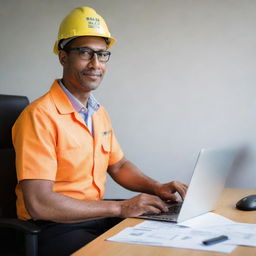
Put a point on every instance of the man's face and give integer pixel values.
(83, 75)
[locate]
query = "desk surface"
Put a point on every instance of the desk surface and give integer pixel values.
(225, 207)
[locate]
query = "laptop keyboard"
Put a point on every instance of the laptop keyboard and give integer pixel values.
(173, 209)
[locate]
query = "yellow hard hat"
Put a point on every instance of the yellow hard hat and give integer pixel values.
(83, 21)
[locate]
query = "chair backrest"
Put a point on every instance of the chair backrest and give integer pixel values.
(10, 108)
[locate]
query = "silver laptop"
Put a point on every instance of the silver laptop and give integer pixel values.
(206, 185)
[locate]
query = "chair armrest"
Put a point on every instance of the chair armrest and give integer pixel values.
(21, 225)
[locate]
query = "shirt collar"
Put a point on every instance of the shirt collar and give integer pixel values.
(92, 103)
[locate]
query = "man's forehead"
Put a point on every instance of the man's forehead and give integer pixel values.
(92, 41)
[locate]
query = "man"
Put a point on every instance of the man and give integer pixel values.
(65, 144)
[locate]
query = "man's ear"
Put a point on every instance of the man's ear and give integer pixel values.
(63, 57)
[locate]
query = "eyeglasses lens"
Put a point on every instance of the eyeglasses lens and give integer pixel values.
(88, 54)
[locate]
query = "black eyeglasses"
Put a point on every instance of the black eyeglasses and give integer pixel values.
(86, 53)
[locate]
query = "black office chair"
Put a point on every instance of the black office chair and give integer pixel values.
(12, 230)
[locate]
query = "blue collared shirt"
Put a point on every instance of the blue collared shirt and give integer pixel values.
(85, 112)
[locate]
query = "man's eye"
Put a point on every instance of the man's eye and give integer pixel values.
(85, 53)
(103, 54)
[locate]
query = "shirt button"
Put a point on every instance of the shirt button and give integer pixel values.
(83, 110)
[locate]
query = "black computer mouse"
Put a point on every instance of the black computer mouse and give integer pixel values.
(247, 203)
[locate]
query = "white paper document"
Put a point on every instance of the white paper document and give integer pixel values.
(204, 220)
(237, 232)
(173, 236)
(167, 234)
(190, 234)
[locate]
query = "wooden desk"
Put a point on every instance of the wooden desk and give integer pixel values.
(100, 247)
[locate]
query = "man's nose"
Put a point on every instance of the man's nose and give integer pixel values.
(94, 62)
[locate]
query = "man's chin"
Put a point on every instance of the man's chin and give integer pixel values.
(90, 86)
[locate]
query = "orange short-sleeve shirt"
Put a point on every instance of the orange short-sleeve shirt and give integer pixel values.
(52, 142)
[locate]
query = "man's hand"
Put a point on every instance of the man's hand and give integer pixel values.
(140, 204)
(167, 191)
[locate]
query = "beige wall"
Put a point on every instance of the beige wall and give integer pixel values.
(181, 77)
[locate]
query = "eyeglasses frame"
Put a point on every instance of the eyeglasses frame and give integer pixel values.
(87, 48)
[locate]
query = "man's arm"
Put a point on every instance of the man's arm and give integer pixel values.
(43, 203)
(129, 176)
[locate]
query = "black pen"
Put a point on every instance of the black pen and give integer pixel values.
(215, 240)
